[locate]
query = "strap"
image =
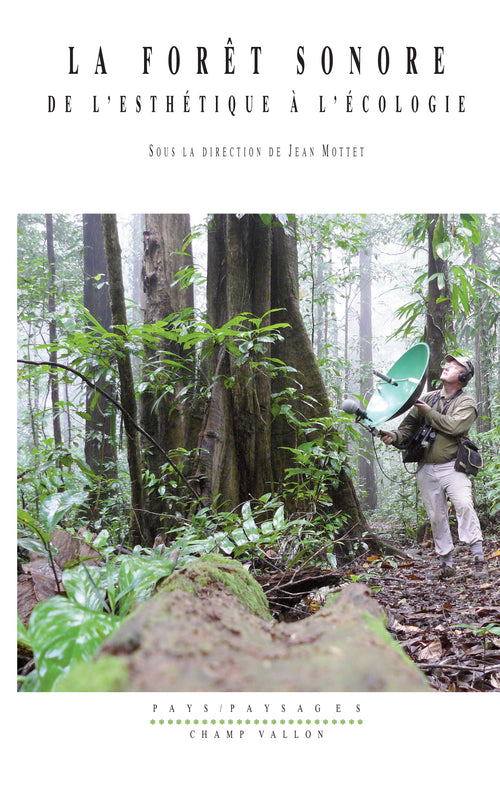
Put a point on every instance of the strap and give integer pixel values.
(447, 405)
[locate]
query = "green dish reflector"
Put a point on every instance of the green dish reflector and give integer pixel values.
(390, 400)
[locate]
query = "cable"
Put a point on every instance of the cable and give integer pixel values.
(395, 481)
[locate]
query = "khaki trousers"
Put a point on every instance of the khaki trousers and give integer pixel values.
(437, 483)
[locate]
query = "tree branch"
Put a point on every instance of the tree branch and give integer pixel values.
(118, 406)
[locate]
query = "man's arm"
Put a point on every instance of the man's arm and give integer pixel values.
(455, 424)
(404, 431)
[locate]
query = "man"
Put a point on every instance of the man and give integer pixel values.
(451, 412)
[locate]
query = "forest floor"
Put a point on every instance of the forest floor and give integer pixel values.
(450, 629)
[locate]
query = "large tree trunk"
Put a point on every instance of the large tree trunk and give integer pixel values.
(235, 458)
(163, 416)
(100, 447)
(253, 268)
(138, 528)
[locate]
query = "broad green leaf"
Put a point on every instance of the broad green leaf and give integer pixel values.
(241, 550)
(267, 528)
(101, 541)
(55, 507)
(138, 577)
(279, 520)
(23, 638)
(30, 683)
(62, 633)
(86, 586)
(246, 510)
(443, 250)
(238, 536)
(222, 541)
(35, 545)
(251, 529)
(464, 298)
(26, 519)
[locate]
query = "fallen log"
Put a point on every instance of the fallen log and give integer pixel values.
(288, 588)
(209, 629)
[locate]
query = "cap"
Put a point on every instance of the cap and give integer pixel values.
(460, 359)
(466, 363)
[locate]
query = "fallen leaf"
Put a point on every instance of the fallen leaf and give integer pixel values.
(26, 597)
(270, 553)
(431, 652)
(396, 626)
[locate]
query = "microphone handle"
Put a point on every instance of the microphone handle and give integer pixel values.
(385, 377)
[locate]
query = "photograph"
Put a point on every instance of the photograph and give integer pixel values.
(202, 411)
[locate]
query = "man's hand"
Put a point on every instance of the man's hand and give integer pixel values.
(422, 407)
(387, 437)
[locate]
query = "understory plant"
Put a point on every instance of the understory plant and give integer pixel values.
(94, 596)
(91, 601)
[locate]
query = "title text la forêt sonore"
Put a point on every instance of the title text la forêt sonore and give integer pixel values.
(229, 60)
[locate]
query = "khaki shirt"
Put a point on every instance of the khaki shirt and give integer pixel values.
(460, 416)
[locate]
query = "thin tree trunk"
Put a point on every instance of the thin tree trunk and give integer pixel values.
(366, 462)
(33, 400)
(138, 528)
(482, 349)
(138, 228)
(68, 415)
(54, 381)
(320, 306)
(100, 449)
(438, 319)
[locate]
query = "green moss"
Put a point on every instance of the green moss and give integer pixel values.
(377, 625)
(332, 597)
(216, 569)
(105, 674)
(178, 580)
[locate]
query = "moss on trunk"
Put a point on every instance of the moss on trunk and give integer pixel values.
(209, 629)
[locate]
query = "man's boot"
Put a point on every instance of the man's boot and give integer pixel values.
(446, 570)
(480, 569)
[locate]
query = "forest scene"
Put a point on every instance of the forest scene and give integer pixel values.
(196, 510)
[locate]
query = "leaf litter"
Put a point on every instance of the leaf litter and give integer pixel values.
(450, 628)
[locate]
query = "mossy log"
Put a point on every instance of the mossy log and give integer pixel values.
(209, 629)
